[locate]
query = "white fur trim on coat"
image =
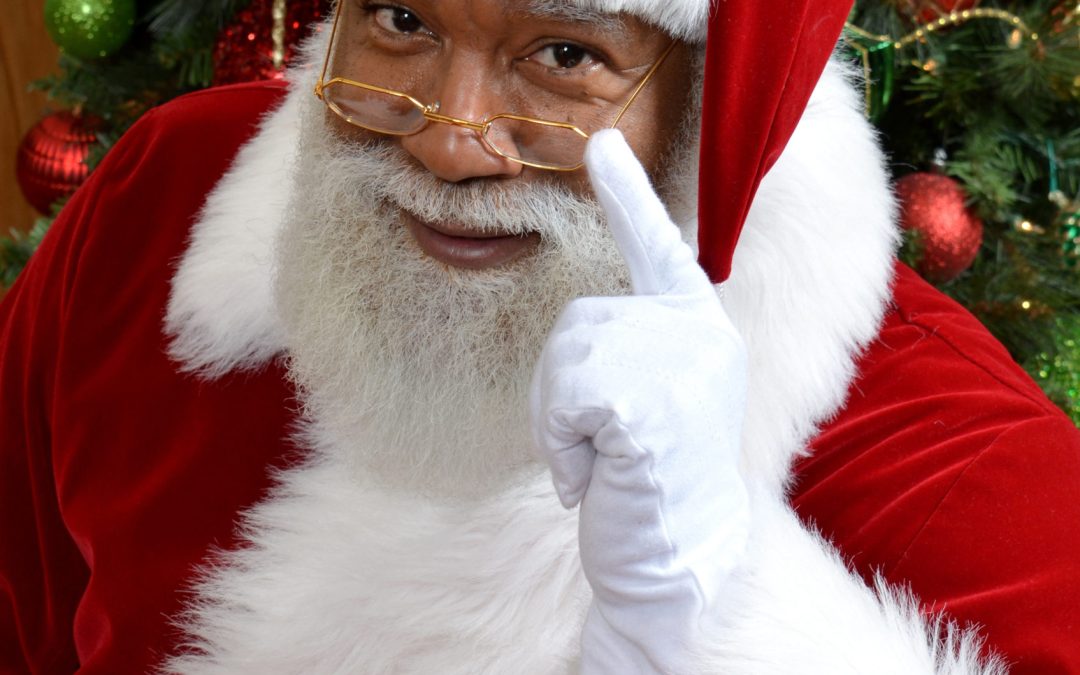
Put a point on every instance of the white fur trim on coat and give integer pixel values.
(221, 314)
(811, 275)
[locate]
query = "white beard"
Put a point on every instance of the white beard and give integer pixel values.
(419, 371)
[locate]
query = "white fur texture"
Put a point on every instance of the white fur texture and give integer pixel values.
(220, 314)
(344, 576)
(810, 277)
(494, 587)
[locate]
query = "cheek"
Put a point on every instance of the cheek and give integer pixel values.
(653, 123)
(346, 133)
(578, 182)
(338, 126)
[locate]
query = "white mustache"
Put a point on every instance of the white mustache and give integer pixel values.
(386, 175)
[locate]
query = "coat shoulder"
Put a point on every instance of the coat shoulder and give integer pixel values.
(218, 111)
(949, 471)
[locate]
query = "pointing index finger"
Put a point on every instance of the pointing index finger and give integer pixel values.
(660, 262)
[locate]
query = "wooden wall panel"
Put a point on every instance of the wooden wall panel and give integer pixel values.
(26, 54)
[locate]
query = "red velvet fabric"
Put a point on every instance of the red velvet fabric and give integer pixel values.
(947, 470)
(761, 66)
(950, 471)
(118, 473)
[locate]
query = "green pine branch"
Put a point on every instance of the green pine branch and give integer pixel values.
(16, 249)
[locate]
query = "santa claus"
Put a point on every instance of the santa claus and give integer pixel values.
(435, 360)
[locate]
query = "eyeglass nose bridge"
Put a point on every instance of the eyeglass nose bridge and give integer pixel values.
(432, 114)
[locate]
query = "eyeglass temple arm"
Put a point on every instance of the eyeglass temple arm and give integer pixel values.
(642, 83)
(329, 51)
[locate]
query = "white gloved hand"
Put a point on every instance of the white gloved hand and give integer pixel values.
(637, 405)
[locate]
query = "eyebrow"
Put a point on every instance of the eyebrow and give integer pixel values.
(572, 11)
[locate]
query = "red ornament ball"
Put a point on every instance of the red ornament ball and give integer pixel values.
(51, 160)
(244, 50)
(949, 235)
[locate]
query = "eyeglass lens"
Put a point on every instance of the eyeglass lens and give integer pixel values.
(524, 140)
(378, 111)
(534, 143)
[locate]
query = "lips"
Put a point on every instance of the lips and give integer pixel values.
(459, 246)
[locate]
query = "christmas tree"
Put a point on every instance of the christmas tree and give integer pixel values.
(979, 109)
(978, 103)
(119, 58)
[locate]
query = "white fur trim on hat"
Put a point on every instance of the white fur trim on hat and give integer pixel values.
(684, 19)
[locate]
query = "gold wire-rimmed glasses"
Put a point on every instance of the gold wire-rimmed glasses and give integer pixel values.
(531, 141)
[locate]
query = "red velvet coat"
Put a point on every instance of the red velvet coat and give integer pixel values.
(947, 470)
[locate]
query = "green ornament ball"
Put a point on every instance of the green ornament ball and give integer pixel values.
(89, 29)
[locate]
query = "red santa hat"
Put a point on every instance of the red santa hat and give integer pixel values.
(763, 58)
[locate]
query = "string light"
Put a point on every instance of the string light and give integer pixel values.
(277, 34)
(1027, 227)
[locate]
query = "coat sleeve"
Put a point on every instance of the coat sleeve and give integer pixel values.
(794, 606)
(41, 569)
(120, 472)
(988, 583)
(948, 475)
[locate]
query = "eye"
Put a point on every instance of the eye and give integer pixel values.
(399, 20)
(563, 56)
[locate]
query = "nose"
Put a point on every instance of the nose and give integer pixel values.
(456, 153)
